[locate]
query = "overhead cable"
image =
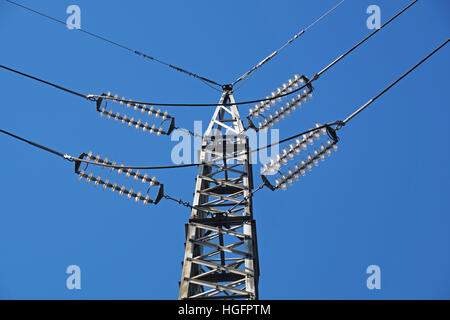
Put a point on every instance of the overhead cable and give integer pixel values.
(267, 99)
(280, 95)
(48, 83)
(354, 114)
(114, 166)
(295, 37)
(205, 80)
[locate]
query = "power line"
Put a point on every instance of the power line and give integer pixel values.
(326, 126)
(92, 97)
(203, 79)
(331, 132)
(269, 57)
(48, 83)
(354, 114)
(225, 203)
(300, 82)
(59, 154)
(338, 125)
(363, 40)
(72, 158)
(235, 154)
(315, 77)
(312, 79)
(79, 159)
(300, 169)
(176, 166)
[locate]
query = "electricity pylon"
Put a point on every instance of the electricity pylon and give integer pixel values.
(221, 254)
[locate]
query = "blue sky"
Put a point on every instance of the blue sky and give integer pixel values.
(381, 199)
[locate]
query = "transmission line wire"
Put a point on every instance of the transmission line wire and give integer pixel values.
(203, 79)
(72, 158)
(363, 40)
(247, 75)
(48, 83)
(312, 79)
(59, 154)
(337, 124)
(315, 77)
(358, 111)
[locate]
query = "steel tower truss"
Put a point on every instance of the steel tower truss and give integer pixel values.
(221, 255)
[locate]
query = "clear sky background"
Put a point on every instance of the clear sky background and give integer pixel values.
(381, 199)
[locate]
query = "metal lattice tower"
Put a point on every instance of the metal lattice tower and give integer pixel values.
(221, 255)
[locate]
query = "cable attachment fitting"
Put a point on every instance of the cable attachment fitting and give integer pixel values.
(267, 183)
(68, 157)
(92, 98)
(227, 87)
(339, 124)
(179, 201)
(315, 77)
(332, 134)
